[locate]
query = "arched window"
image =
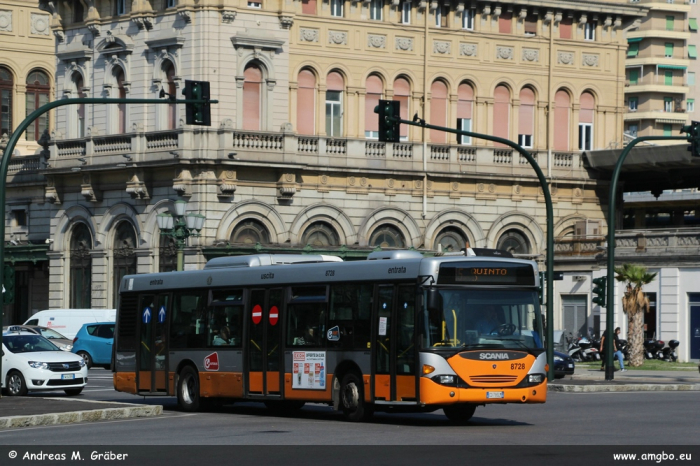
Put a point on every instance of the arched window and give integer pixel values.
(80, 267)
(319, 235)
(402, 93)
(514, 242)
(169, 73)
(585, 122)
(501, 113)
(306, 102)
(562, 112)
(6, 86)
(124, 256)
(250, 232)
(526, 117)
(80, 108)
(252, 97)
(465, 108)
(451, 239)
(438, 111)
(387, 236)
(120, 78)
(334, 104)
(38, 87)
(375, 89)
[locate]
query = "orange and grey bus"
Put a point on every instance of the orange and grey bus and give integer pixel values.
(395, 332)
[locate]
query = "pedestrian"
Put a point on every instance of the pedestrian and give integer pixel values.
(616, 350)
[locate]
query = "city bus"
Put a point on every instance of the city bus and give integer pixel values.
(395, 332)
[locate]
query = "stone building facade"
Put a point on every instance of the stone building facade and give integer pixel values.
(292, 161)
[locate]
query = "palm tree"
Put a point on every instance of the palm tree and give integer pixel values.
(635, 303)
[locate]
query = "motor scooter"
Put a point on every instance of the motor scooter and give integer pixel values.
(653, 348)
(669, 352)
(573, 348)
(590, 353)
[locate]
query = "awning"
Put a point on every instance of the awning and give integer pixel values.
(633, 50)
(671, 67)
(636, 39)
(692, 51)
(693, 24)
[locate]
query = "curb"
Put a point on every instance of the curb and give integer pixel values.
(73, 417)
(623, 388)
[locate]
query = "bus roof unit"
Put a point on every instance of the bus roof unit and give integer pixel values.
(259, 260)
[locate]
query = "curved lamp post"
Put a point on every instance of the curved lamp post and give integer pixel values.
(179, 227)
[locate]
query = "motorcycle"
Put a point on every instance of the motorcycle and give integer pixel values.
(669, 352)
(573, 349)
(653, 348)
(624, 348)
(590, 353)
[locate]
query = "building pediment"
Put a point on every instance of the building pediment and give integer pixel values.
(165, 40)
(115, 43)
(256, 40)
(74, 52)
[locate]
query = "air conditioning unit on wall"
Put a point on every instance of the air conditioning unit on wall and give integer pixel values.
(579, 278)
(587, 228)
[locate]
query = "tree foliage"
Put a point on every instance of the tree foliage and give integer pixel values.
(635, 304)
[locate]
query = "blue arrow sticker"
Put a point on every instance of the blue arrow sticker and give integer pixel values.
(383, 305)
(161, 315)
(147, 315)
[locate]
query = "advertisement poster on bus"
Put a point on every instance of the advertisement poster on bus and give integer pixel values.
(309, 369)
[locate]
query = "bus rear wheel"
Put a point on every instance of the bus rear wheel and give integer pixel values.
(352, 399)
(460, 413)
(188, 390)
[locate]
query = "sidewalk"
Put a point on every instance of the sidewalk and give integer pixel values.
(29, 411)
(587, 379)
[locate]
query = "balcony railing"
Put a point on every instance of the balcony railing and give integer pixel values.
(287, 147)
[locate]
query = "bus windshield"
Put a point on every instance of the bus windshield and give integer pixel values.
(484, 319)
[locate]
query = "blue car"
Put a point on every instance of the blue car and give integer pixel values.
(94, 343)
(563, 365)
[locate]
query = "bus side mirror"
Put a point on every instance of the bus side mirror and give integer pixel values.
(434, 299)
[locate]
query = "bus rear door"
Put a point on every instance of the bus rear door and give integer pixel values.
(152, 355)
(394, 352)
(264, 343)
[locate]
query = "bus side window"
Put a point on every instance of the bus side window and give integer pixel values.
(187, 326)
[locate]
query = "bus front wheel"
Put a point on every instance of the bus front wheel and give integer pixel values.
(188, 389)
(352, 400)
(460, 413)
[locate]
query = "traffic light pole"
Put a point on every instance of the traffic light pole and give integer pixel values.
(550, 222)
(19, 131)
(610, 311)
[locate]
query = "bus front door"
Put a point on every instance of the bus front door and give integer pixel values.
(394, 350)
(263, 345)
(152, 355)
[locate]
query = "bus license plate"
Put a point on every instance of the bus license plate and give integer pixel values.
(495, 395)
(67, 376)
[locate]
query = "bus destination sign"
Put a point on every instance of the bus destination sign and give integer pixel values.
(486, 273)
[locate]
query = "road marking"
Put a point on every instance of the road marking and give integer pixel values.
(99, 390)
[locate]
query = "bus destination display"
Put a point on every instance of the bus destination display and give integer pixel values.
(486, 273)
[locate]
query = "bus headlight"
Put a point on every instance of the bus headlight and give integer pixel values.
(535, 378)
(447, 379)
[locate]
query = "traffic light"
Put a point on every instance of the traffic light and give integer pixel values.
(389, 116)
(599, 290)
(693, 133)
(197, 114)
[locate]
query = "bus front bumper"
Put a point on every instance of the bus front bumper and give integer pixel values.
(432, 393)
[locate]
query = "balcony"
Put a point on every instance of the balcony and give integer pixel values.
(678, 242)
(678, 34)
(265, 148)
(658, 88)
(658, 115)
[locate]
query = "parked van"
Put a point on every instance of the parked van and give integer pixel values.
(69, 321)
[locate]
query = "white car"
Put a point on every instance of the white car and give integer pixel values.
(31, 362)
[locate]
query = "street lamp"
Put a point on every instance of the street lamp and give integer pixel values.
(180, 227)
